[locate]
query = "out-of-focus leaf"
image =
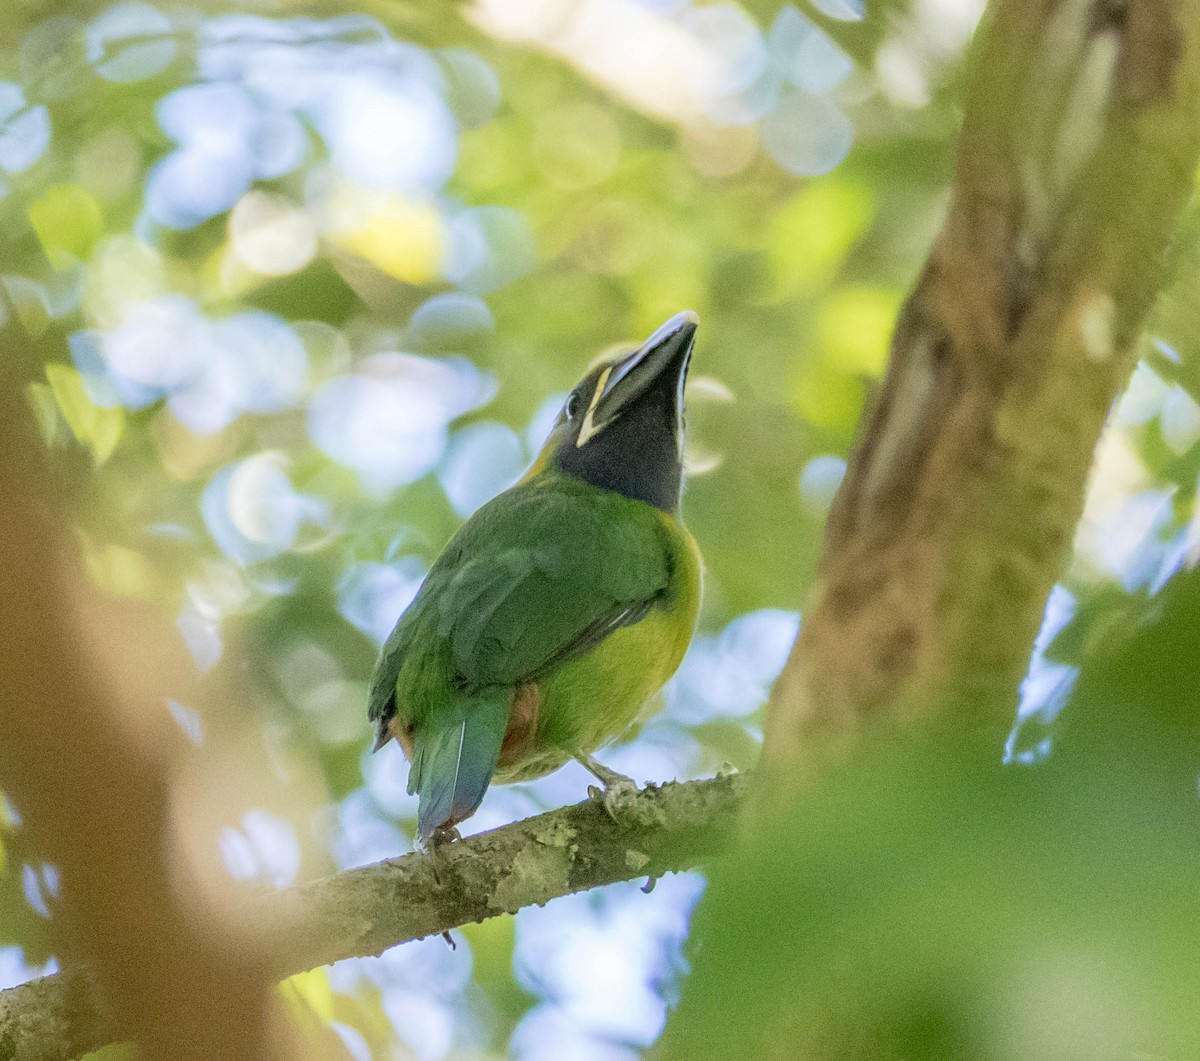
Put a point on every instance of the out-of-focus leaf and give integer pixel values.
(809, 236)
(927, 902)
(68, 222)
(492, 945)
(97, 427)
(853, 329)
(115, 1052)
(310, 992)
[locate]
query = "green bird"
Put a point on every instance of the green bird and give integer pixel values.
(560, 607)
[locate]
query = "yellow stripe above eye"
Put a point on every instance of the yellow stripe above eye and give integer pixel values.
(587, 430)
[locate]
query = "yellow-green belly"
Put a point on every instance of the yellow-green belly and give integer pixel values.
(592, 700)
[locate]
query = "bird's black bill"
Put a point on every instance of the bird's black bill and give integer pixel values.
(661, 360)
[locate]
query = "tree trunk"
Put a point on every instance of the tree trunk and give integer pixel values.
(958, 508)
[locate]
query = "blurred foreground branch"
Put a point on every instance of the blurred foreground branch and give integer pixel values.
(364, 911)
(85, 757)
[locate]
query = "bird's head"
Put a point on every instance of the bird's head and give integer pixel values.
(621, 428)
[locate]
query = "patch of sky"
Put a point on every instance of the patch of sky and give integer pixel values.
(609, 960)
(1047, 685)
(542, 421)
(421, 148)
(505, 803)
(730, 674)
(804, 55)
(549, 1033)
(490, 246)
(807, 134)
(385, 774)
(363, 835)
(40, 886)
(211, 371)
(289, 62)
(188, 719)
(1131, 544)
(389, 420)
(226, 141)
(1179, 421)
(257, 364)
(481, 460)
(1143, 398)
(24, 130)
(352, 1039)
(450, 322)
(842, 10)
(733, 36)
(263, 849)
(422, 985)
(421, 1021)
(749, 104)
(130, 42)
(14, 970)
(348, 79)
(662, 751)
(372, 596)
(819, 481)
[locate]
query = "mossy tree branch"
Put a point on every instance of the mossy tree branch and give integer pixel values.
(364, 911)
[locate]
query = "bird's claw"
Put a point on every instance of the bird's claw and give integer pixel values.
(620, 795)
(620, 792)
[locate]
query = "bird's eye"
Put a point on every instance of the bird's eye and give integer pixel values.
(572, 405)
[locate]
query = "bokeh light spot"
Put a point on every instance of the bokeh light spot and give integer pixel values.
(389, 420)
(807, 134)
(272, 235)
(24, 130)
(130, 42)
(482, 460)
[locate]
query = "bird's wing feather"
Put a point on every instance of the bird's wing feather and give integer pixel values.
(578, 568)
(381, 700)
(454, 758)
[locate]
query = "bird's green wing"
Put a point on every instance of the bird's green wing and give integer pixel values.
(574, 566)
(382, 696)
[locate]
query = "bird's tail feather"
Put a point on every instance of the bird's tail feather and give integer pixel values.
(454, 757)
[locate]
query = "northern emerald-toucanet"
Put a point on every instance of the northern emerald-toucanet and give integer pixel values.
(561, 606)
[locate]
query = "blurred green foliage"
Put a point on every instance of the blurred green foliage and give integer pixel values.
(275, 377)
(932, 902)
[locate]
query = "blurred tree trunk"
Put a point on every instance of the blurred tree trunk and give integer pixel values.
(957, 512)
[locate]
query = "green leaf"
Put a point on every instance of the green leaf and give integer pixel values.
(96, 427)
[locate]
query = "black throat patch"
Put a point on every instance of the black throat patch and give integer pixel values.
(637, 454)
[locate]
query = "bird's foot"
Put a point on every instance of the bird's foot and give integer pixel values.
(620, 792)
